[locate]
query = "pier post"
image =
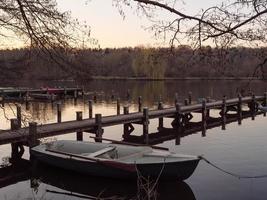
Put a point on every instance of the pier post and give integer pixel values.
(65, 92)
(128, 96)
(239, 109)
(264, 102)
(179, 124)
(253, 106)
(2, 98)
(17, 148)
(204, 117)
(160, 107)
(145, 125)
(75, 94)
(33, 138)
(90, 105)
(118, 107)
(19, 115)
(186, 102)
(99, 130)
(95, 97)
(58, 112)
(190, 98)
(112, 95)
(176, 99)
(79, 134)
(127, 128)
(223, 113)
(208, 110)
(139, 104)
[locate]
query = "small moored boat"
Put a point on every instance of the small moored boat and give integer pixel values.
(116, 160)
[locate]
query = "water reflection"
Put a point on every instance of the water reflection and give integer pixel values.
(61, 183)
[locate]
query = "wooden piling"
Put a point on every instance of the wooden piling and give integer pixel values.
(90, 105)
(79, 134)
(95, 97)
(208, 110)
(239, 109)
(223, 113)
(17, 149)
(65, 92)
(125, 126)
(19, 114)
(75, 94)
(264, 102)
(128, 95)
(160, 107)
(139, 104)
(176, 99)
(98, 129)
(112, 95)
(190, 98)
(253, 107)
(33, 138)
(145, 125)
(118, 107)
(179, 126)
(186, 102)
(58, 112)
(204, 117)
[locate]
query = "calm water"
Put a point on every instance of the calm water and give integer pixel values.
(239, 149)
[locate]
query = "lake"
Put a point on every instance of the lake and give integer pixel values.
(241, 149)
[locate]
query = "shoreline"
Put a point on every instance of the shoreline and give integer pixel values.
(173, 78)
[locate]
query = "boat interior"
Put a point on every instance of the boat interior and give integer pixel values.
(99, 150)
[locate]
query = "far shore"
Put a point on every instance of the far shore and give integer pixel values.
(172, 78)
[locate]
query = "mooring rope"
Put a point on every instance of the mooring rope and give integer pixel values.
(231, 173)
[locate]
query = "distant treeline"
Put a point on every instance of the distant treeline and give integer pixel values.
(150, 63)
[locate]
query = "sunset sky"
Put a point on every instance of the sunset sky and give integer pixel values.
(109, 27)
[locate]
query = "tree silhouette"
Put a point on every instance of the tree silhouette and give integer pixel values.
(40, 27)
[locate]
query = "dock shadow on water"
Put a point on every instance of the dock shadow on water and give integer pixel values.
(48, 182)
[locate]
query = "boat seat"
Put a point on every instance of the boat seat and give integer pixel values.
(102, 151)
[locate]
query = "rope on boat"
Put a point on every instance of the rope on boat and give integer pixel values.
(231, 173)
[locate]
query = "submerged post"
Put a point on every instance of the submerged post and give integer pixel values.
(204, 117)
(239, 109)
(139, 104)
(58, 112)
(98, 129)
(160, 107)
(79, 134)
(145, 125)
(118, 107)
(90, 105)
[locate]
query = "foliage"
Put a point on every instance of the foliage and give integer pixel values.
(149, 63)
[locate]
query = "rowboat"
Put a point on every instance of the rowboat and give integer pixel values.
(116, 160)
(262, 108)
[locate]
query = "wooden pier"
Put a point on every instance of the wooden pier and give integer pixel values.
(41, 93)
(181, 115)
